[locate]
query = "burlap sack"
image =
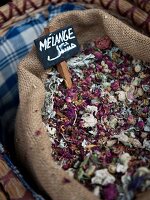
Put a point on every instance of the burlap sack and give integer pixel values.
(31, 140)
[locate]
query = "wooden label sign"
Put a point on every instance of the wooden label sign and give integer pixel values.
(57, 46)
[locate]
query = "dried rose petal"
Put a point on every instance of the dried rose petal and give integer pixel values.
(103, 43)
(88, 79)
(98, 55)
(115, 85)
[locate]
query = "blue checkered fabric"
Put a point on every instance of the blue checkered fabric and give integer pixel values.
(14, 45)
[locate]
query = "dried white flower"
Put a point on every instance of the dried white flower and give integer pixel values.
(84, 143)
(124, 159)
(51, 133)
(121, 168)
(142, 171)
(146, 144)
(113, 121)
(148, 121)
(121, 95)
(94, 131)
(136, 81)
(135, 142)
(105, 67)
(140, 92)
(126, 88)
(62, 144)
(81, 60)
(121, 137)
(112, 99)
(103, 177)
(103, 63)
(132, 134)
(106, 84)
(103, 77)
(147, 126)
(89, 120)
(110, 143)
(91, 109)
(51, 130)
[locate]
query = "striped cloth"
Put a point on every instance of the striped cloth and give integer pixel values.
(14, 45)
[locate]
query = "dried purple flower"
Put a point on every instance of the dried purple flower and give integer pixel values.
(98, 55)
(110, 192)
(140, 124)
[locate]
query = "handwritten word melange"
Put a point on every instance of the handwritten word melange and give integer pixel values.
(53, 40)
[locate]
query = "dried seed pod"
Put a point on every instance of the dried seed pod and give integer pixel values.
(112, 169)
(137, 68)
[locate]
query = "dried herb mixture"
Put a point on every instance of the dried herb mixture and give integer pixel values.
(100, 128)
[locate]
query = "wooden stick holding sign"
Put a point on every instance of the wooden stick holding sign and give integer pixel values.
(62, 67)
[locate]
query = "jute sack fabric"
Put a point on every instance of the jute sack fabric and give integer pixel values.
(33, 146)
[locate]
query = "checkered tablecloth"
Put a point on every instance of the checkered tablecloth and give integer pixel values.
(14, 45)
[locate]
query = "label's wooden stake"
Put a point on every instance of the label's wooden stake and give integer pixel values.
(62, 68)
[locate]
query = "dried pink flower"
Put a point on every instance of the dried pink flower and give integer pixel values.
(115, 85)
(103, 43)
(131, 120)
(130, 96)
(68, 100)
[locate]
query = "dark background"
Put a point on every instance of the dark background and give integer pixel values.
(3, 2)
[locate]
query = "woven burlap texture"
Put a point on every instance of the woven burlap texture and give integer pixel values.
(33, 147)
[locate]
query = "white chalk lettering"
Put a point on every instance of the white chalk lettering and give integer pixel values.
(56, 39)
(61, 51)
(48, 42)
(60, 38)
(70, 33)
(42, 45)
